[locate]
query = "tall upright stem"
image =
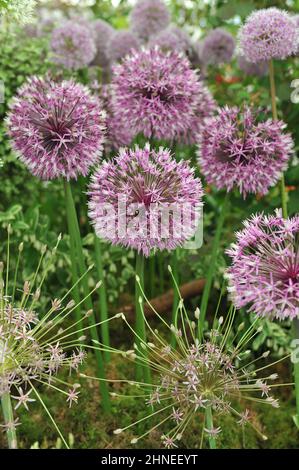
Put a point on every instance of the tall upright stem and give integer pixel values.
(142, 371)
(295, 326)
(176, 296)
(9, 421)
(103, 298)
(212, 266)
(209, 423)
(81, 268)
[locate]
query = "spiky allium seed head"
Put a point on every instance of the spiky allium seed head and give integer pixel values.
(249, 68)
(264, 275)
(237, 150)
(149, 17)
(33, 346)
(205, 109)
(103, 32)
(121, 44)
(218, 47)
(57, 129)
(171, 39)
(19, 11)
(144, 199)
(156, 93)
(73, 45)
(268, 34)
(213, 373)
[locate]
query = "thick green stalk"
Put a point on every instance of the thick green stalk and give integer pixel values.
(212, 266)
(209, 423)
(160, 260)
(80, 265)
(142, 371)
(152, 275)
(9, 419)
(295, 326)
(176, 296)
(103, 298)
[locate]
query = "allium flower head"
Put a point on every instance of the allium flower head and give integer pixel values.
(268, 34)
(159, 199)
(213, 373)
(249, 68)
(73, 45)
(238, 151)
(103, 33)
(218, 47)
(19, 11)
(121, 44)
(264, 276)
(149, 17)
(57, 129)
(156, 93)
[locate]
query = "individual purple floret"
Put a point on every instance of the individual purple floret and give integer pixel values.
(57, 129)
(149, 17)
(145, 200)
(121, 44)
(103, 33)
(249, 68)
(156, 93)
(218, 47)
(264, 276)
(238, 151)
(268, 34)
(73, 45)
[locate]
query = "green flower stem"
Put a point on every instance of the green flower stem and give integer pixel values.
(142, 371)
(103, 298)
(160, 260)
(9, 418)
(295, 326)
(176, 296)
(212, 266)
(152, 275)
(209, 423)
(79, 263)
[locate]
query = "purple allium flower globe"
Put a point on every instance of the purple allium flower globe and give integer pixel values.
(218, 47)
(264, 275)
(149, 17)
(249, 68)
(57, 129)
(150, 184)
(73, 45)
(268, 34)
(238, 151)
(156, 93)
(121, 44)
(103, 33)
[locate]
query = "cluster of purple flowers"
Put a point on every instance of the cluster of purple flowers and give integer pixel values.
(157, 194)
(156, 93)
(57, 129)
(239, 151)
(264, 276)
